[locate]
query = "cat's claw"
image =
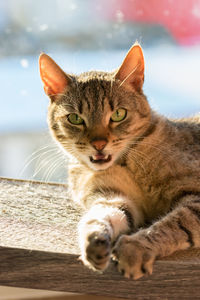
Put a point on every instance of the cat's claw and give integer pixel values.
(98, 251)
(134, 259)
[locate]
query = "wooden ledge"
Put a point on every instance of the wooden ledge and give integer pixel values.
(38, 249)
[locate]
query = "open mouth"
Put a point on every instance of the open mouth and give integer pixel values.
(100, 158)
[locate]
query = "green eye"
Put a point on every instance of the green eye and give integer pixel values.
(75, 119)
(118, 115)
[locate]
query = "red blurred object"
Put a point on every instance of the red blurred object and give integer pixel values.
(180, 17)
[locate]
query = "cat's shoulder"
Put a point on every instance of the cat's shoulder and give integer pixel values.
(188, 129)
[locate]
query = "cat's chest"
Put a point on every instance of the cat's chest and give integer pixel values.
(121, 178)
(118, 178)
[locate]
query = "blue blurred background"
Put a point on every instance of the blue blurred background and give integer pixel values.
(86, 35)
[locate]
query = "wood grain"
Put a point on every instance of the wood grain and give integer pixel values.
(38, 249)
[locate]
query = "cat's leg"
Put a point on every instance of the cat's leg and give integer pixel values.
(180, 229)
(100, 227)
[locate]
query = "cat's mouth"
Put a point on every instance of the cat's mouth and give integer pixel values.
(100, 158)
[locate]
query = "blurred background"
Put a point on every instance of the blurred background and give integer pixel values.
(84, 35)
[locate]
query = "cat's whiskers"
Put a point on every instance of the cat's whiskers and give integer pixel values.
(169, 154)
(131, 73)
(134, 158)
(67, 104)
(140, 154)
(68, 146)
(159, 148)
(45, 162)
(52, 168)
(70, 149)
(36, 155)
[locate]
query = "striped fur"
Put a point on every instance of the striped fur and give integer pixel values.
(145, 202)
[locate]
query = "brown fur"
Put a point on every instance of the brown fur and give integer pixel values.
(153, 179)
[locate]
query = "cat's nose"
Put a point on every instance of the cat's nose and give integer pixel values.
(99, 144)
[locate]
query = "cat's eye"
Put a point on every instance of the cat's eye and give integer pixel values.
(75, 119)
(118, 115)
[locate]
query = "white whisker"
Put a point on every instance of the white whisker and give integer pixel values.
(133, 71)
(51, 169)
(32, 158)
(45, 162)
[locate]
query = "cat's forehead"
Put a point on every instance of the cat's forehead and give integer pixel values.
(89, 96)
(93, 91)
(94, 95)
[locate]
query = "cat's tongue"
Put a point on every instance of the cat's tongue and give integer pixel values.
(99, 156)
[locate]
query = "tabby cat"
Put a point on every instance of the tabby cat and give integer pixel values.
(136, 173)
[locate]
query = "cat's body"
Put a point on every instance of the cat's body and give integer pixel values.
(155, 171)
(132, 167)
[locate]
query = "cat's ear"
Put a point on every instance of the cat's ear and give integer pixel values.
(53, 77)
(131, 71)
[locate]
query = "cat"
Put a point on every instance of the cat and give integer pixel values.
(136, 173)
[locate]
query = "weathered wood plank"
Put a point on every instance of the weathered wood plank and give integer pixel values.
(38, 249)
(37, 216)
(63, 272)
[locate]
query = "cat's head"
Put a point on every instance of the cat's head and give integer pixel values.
(96, 116)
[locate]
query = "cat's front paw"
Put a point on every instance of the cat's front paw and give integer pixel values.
(97, 252)
(135, 259)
